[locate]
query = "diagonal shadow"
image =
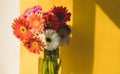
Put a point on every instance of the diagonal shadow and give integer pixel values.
(81, 48)
(112, 9)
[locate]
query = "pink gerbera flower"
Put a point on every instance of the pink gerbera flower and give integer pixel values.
(34, 9)
(36, 21)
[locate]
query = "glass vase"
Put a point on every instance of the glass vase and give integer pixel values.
(51, 62)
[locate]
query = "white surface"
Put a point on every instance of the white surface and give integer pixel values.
(9, 44)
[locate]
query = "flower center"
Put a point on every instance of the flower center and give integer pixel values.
(48, 40)
(34, 44)
(60, 16)
(23, 29)
(36, 22)
(62, 36)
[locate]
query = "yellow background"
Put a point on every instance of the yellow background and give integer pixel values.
(95, 44)
(107, 45)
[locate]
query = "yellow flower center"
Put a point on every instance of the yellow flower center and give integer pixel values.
(36, 22)
(23, 29)
(34, 44)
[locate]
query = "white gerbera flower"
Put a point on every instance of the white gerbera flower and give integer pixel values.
(42, 37)
(51, 39)
(64, 33)
(65, 40)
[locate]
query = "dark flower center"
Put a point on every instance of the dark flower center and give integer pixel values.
(34, 43)
(48, 40)
(62, 36)
(60, 16)
(23, 29)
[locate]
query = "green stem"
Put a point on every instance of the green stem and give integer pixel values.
(50, 64)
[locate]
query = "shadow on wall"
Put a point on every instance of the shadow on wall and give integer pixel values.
(112, 9)
(80, 51)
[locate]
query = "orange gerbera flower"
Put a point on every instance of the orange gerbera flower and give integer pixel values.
(36, 21)
(34, 45)
(21, 29)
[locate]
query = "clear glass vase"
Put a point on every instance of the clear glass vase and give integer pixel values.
(51, 62)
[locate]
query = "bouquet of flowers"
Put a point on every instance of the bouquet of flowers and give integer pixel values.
(43, 31)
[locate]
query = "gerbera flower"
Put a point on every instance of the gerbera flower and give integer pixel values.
(64, 33)
(62, 14)
(36, 21)
(52, 21)
(51, 39)
(34, 9)
(33, 45)
(21, 29)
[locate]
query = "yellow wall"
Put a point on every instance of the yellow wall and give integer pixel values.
(107, 45)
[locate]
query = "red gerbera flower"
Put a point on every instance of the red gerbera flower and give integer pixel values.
(52, 21)
(34, 45)
(62, 14)
(21, 29)
(36, 21)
